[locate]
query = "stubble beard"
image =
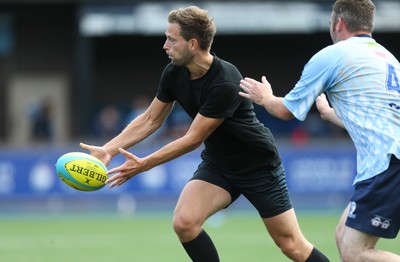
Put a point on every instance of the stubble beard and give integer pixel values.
(185, 58)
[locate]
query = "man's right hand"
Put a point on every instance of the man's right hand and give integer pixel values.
(99, 152)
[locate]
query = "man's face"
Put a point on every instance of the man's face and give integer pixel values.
(176, 47)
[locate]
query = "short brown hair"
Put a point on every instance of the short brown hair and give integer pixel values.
(358, 15)
(194, 23)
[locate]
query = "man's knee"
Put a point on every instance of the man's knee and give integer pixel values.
(186, 226)
(347, 255)
(182, 223)
(295, 250)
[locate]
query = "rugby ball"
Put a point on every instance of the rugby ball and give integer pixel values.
(82, 171)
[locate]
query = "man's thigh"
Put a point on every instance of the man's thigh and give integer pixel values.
(201, 199)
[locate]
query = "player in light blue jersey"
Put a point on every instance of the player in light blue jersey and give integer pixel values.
(361, 80)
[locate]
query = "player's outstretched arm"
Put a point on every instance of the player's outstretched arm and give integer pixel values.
(199, 130)
(140, 128)
(261, 93)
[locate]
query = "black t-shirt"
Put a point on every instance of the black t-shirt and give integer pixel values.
(241, 143)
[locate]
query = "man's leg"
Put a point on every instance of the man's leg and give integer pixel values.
(201, 248)
(355, 245)
(285, 231)
(198, 201)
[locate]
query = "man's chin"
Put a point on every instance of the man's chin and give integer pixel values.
(174, 62)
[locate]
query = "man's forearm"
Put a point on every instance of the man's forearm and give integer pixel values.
(274, 105)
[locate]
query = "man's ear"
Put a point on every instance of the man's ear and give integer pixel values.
(193, 44)
(340, 25)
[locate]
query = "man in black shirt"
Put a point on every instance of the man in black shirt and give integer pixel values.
(240, 155)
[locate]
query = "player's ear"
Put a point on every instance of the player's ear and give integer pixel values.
(193, 44)
(340, 25)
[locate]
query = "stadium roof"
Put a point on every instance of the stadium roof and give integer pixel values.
(231, 17)
(148, 17)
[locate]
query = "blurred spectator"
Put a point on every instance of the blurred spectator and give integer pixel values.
(178, 122)
(42, 122)
(139, 105)
(299, 136)
(109, 122)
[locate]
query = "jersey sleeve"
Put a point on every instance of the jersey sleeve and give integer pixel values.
(164, 93)
(317, 75)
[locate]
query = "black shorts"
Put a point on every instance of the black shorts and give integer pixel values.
(265, 189)
(375, 204)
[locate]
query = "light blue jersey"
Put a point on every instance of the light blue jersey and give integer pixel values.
(362, 82)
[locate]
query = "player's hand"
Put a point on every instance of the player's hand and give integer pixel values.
(323, 106)
(132, 166)
(327, 112)
(99, 152)
(255, 90)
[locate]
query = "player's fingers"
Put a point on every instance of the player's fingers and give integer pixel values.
(115, 170)
(84, 146)
(254, 82)
(264, 80)
(322, 99)
(125, 153)
(249, 79)
(245, 85)
(114, 184)
(244, 94)
(113, 178)
(117, 182)
(120, 181)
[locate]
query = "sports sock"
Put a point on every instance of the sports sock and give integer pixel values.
(317, 256)
(201, 249)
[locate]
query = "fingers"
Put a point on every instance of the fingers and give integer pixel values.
(264, 80)
(117, 179)
(121, 168)
(245, 89)
(121, 175)
(114, 181)
(87, 147)
(124, 152)
(114, 170)
(321, 99)
(246, 84)
(247, 81)
(123, 172)
(84, 146)
(246, 95)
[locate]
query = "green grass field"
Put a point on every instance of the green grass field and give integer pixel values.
(150, 238)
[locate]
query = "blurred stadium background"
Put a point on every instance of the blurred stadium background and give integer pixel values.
(77, 70)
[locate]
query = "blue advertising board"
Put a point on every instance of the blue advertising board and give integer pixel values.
(30, 173)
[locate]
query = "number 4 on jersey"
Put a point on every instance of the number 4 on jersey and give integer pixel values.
(392, 81)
